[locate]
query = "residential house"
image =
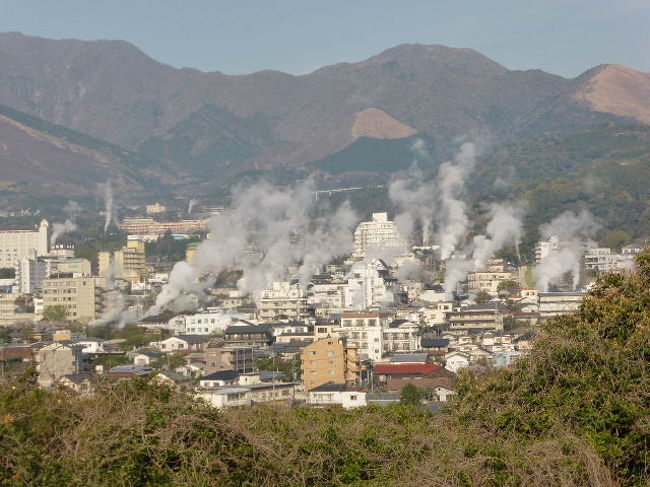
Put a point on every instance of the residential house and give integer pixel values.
(184, 343)
(81, 382)
(228, 397)
(129, 371)
(332, 394)
(456, 360)
(228, 358)
(59, 359)
(401, 336)
(145, 357)
(221, 378)
(436, 346)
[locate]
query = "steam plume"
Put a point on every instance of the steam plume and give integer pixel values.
(571, 230)
(452, 218)
(116, 312)
(108, 205)
(59, 229)
(457, 270)
(191, 206)
(505, 227)
(417, 200)
(266, 231)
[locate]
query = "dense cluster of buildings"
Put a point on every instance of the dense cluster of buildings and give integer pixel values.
(356, 334)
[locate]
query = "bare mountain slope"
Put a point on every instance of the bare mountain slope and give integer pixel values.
(619, 90)
(45, 154)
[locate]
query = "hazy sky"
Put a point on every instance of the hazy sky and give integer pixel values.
(240, 36)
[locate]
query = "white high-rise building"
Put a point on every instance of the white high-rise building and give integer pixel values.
(377, 237)
(30, 273)
(16, 245)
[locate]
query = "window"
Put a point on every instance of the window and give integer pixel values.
(353, 398)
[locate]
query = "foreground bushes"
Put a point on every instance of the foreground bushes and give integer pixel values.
(575, 412)
(588, 373)
(140, 434)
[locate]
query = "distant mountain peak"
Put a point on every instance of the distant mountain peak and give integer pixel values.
(619, 90)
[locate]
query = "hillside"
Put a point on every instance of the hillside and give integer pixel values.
(111, 90)
(37, 152)
(574, 412)
(605, 169)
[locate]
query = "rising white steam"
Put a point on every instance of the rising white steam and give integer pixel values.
(414, 196)
(452, 218)
(108, 205)
(191, 206)
(72, 208)
(416, 199)
(571, 230)
(266, 231)
(59, 229)
(115, 306)
(456, 271)
(505, 228)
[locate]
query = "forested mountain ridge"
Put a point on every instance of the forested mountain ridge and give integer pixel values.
(112, 90)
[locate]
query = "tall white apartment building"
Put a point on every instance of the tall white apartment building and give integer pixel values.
(380, 235)
(16, 245)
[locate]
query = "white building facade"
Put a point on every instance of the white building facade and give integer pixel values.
(378, 235)
(19, 244)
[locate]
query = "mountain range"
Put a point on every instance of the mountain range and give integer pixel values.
(79, 112)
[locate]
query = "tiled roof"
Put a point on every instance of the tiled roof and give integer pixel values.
(413, 369)
(435, 342)
(193, 338)
(410, 357)
(330, 387)
(226, 375)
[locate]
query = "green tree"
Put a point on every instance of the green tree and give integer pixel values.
(615, 239)
(482, 297)
(411, 395)
(55, 313)
(509, 285)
